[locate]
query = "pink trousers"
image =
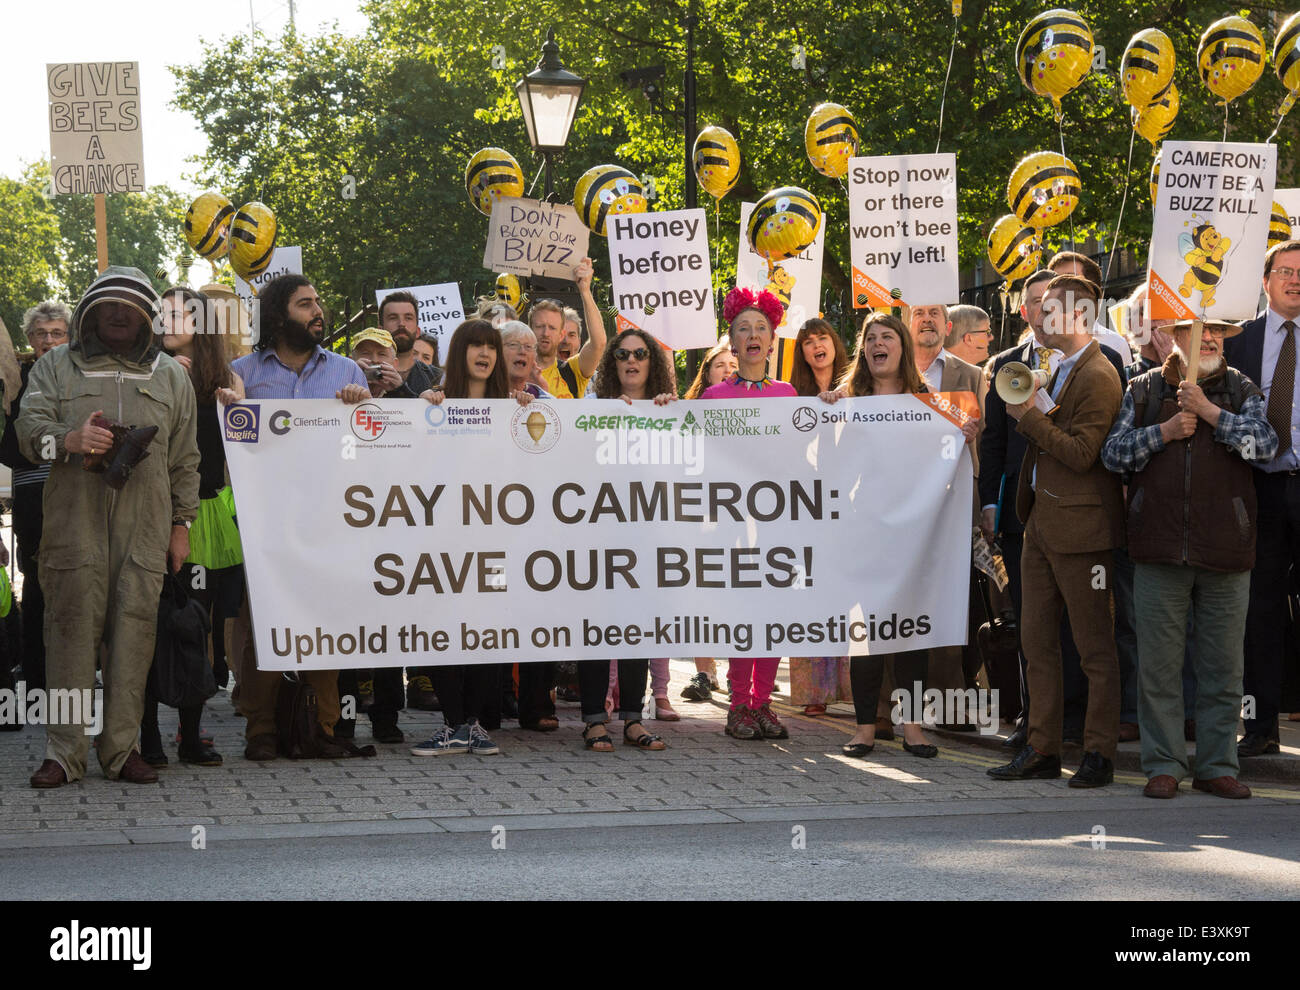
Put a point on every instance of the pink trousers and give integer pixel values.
(751, 680)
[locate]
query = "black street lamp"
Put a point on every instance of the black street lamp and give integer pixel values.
(549, 98)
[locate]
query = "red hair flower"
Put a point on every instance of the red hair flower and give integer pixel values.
(738, 300)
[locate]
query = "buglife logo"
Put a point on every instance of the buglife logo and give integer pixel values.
(278, 422)
(368, 422)
(241, 423)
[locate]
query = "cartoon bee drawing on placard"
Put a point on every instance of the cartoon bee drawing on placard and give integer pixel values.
(1203, 250)
(780, 283)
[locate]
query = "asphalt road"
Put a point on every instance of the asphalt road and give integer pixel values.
(1187, 849)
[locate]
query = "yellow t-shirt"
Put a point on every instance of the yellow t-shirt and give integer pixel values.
(557, 385)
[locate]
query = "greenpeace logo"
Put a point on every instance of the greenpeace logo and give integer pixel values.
(102, 944)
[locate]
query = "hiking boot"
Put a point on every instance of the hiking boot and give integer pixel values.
(699, 689)
(741, 724)
(769, 724)
(419, 694)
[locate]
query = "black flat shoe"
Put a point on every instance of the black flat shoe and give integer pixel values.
(203, 756)
(1018, 740)
(155, 760)
(924, 750)
(1256, 744)
(1029, 764)
(1095, 771)
(857, 750)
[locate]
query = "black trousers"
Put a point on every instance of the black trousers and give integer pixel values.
(465, 689)
(389, 693)
(1277, 551)
(535, 683)
(28, 520)
(867, 673)
(593, 683)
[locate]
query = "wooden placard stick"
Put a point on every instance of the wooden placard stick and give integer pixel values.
(101, 231)
(1194, 353)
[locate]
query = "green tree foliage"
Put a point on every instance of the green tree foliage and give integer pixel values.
(29, 255)
(401, 109)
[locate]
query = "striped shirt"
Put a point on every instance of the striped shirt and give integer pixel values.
(325, 373)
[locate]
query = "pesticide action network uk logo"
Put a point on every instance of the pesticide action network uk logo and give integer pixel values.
(241, 423)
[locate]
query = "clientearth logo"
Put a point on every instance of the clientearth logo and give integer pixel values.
(241, 423)
(279, 421)
(535, 427)
(368, 422)
(805, 418)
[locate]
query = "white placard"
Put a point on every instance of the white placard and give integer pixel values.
(529, 237)
(438, 308)
(1289, 200)
(903, 230)
(284, 261)
(662, 277)
(1211, 229)
(598, 530)
(96, 143)
(797, 284)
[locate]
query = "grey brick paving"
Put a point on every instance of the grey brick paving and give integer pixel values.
(538, 781)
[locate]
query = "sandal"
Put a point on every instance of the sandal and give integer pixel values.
(547, 723)
(812, 711)
(643, 741)
(603, 740)
(664, 712)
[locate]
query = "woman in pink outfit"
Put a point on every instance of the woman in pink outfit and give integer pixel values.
(752, 319)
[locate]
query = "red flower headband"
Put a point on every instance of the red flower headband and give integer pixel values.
(738, 300)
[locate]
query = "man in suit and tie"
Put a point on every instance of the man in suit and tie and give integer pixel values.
(1073, 514)
(1265, 351)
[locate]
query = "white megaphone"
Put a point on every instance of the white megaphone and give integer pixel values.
(1016, 382)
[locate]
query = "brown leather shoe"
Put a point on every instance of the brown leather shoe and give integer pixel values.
(1224, 787)
(262, 748)
(1128, 732)
(136, 771)
(49, 775)
(1163, 786)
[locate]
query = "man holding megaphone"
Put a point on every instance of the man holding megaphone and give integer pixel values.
(1072, 510)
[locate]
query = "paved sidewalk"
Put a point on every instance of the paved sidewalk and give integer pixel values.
(538, 781)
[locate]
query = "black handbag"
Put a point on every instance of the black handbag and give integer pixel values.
(181, 676)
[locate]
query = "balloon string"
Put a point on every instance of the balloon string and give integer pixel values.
(1225, 120)
(535, 178)
(1114, 244)
(943, 99)
(1060, 130)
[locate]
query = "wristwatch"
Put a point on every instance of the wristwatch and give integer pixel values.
(182, 522)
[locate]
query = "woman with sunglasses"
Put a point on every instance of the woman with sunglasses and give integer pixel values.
(752, 319)
(634, 367)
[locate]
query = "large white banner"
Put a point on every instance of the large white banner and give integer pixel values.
(1210, 230)
(396, 532)
(797, 281)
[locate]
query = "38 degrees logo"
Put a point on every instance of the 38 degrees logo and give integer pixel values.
(367, 422)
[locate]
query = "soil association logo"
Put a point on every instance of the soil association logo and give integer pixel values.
(241, 423)
(535, 427)
(805, 419)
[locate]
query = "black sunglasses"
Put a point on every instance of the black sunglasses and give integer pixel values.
(622, 354)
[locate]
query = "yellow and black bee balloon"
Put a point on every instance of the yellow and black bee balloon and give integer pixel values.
(1015, 249)
(491, 174)
(1286, 61)
(831, 138)
(1230, 57)
(252, 239)
(1044, 189)
(604, 191)
(1156, 121)
(1053, 54)
(1147, 67)
(716, 159)
(1155, 176)
(1279, 225)
(207, 225)
(509, 291)
(784, 223)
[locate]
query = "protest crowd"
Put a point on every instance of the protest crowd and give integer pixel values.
(1147, 518)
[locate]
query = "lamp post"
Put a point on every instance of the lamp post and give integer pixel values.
(549, 98)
